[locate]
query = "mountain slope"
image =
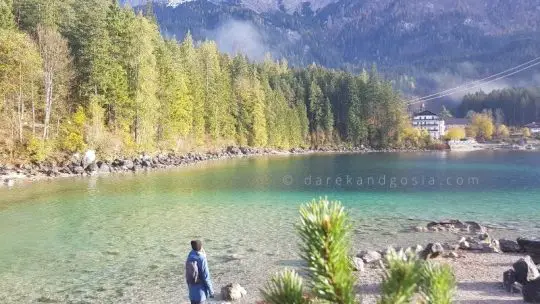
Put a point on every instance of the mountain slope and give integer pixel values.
(435, 41)
(289, 6)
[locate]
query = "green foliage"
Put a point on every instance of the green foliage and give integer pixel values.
(444, 114)
(438, 283)
(284, 287)
(355, 41)
(325, 233)
(526, 132)
(72, 139)
(6, 15)
(401, 278)
(151, 94)
(408, 279)
(511, 106)
(38, 150)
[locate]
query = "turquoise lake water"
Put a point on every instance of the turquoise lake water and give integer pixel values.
(123, 238)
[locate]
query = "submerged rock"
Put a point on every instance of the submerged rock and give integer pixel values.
(10, 182)
(456, 226)
(421, 229)
(475, 227)
(43, 299)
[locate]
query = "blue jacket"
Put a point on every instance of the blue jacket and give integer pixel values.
(200, 291)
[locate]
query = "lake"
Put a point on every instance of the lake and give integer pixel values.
(124, 238)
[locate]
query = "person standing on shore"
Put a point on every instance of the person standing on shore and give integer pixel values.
(198, 275)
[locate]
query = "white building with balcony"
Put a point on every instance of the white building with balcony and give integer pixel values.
(431, 122)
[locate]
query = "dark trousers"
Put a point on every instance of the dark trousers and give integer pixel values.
(197, 302)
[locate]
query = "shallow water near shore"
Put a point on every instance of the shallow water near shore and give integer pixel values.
(123, 239)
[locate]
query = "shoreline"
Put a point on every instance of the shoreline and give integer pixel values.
(10, 174)
(478, 260)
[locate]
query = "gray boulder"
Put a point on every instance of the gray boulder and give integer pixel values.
(10, 182)
(464, 244)
(475, 227)
(146, 163)
(357, 264)
(484, 236)
(78, 170)
(233, 292)
(492, 247)
(233, 150)
(370, 256)
(525, 270)
(509, 246)
(432, 251)
(92, 167)
(128, 164)
(531, 291)
(104, 168)
(420, 229)
(531, 247)
(509, 278)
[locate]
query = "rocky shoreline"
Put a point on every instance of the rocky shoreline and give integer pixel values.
(522, 257)
(82, 165)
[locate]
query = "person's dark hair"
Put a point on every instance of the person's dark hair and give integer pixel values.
(196, 245)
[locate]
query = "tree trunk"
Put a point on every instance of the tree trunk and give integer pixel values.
(33, 114)
(20, 107)
(48, 86)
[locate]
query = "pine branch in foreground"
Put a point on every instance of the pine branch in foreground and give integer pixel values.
(284, 287)
(324, 231)
(401, 277)
(438, 283)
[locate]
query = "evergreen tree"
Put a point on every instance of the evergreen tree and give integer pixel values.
(196, 86)
(174, 98)
(256, 108)
(143, 81)
(211, 72)
(109, 69)
(227, 110)
(6, 15)
(316, 111)
(445, 113)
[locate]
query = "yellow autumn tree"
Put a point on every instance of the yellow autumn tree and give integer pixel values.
(455, 134)
(503, 132)
(482, 126)
(526, 132)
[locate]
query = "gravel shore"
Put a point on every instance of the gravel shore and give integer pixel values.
(479, 277)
